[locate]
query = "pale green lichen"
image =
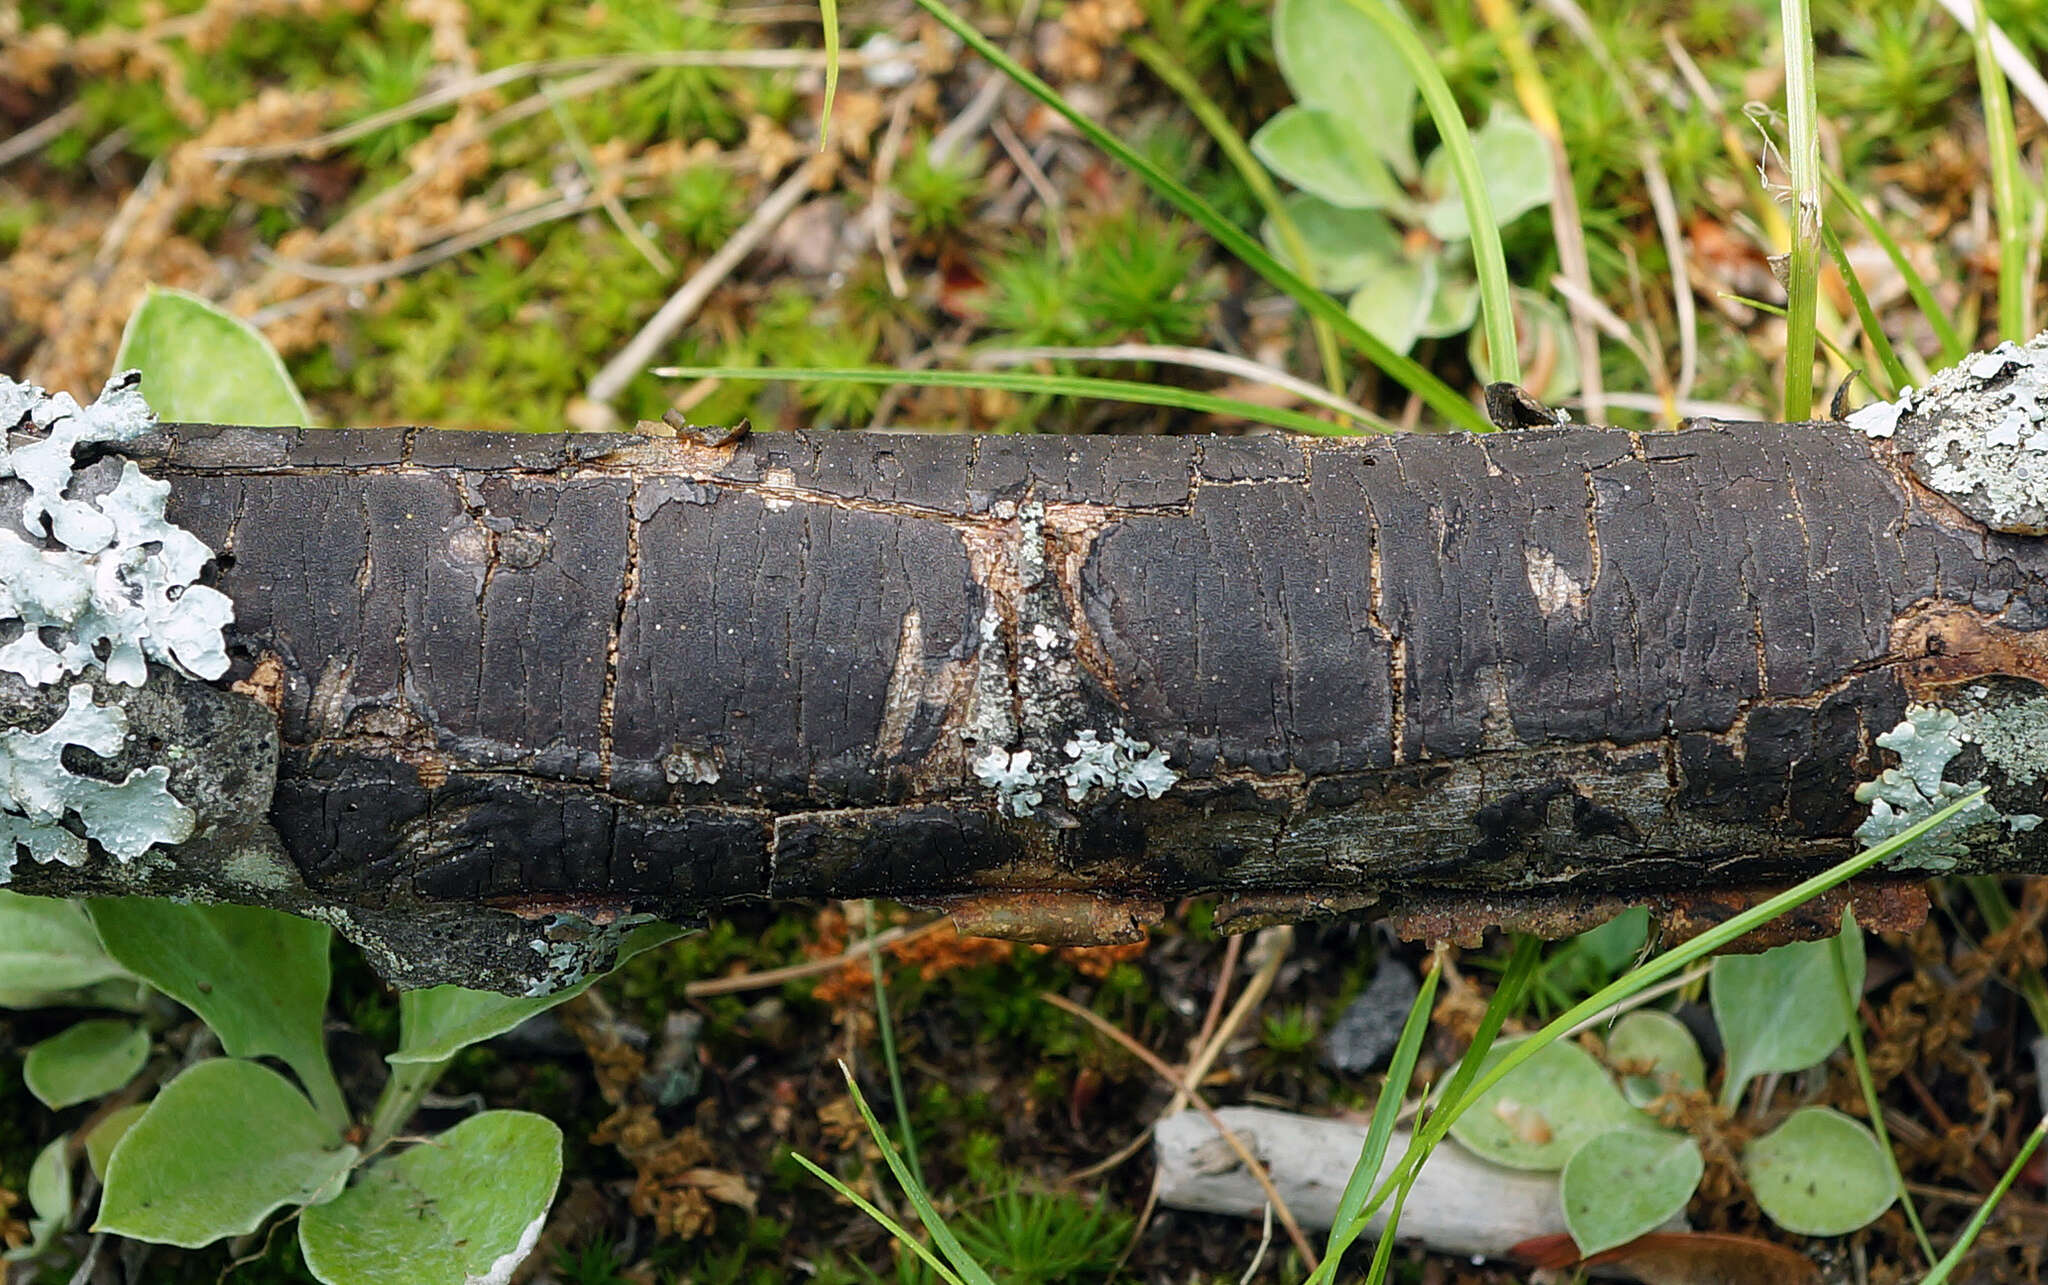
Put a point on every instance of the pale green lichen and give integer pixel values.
(1926, 742)
(1979, 435)
(102, 581)
(124, 816)
(2013, 736)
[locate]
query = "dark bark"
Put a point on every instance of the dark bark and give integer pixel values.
(598, 676)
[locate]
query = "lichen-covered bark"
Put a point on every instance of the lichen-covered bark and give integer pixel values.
(603, 676)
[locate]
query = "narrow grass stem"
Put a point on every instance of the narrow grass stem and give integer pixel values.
(1123, 390)
(1945, 333)
(1496, 308)
(887, 1030)
(1802, 158)
(2008, 196)
(1975, 1227)
(1859, 1057)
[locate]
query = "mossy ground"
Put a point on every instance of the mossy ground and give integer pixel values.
(1005, 1093)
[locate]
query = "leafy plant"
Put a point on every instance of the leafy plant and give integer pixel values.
(1390, 230)
(1819, 1172)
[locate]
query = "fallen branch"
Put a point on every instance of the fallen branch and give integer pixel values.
(520, 690)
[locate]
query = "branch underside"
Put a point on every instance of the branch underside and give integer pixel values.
(605, 676)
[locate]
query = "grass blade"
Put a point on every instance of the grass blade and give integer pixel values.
(1802, 290)
(1952, 345)
(889, 1224)
(1860, 1058)
(1404, 370)
(1873, 329)
(1400, 1071)
(828, 15)
(1656, 970)
(2008, 196)
(942, 1235)
(1971, 1230)
(1239, 154)
(1496, 309)
(887, 1030)
(1122, 390)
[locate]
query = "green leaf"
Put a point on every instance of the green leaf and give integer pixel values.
(258, 977)
(1819, 1174)
(1659, 1041)
(440, 1021)
(1551, 1105)
(460, 1209)
(1626, 1182)
(1514, 162)
(89, 1060)
(1328, 155)
(1346, 248)
(1455, 305)
(201, 365)
(1781, 1010)
(222, 1146)
(1395, 303)
(1336, 60)
(107, 1134)
(48, 946)
(49, 1200)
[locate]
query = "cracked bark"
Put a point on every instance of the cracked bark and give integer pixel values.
(1517, 676)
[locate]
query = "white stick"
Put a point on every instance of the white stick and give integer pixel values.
(1460, 1204)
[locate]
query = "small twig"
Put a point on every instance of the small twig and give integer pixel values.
(975, 116)
(1232, 949)
(1265, 1243)
(1198, 358)
(881, 205)
(768, 977)
(35, 136)
(128, 215)
(631, 360)
(613, 206)
(1034, 175)
(470, 86)
(1184, 1089)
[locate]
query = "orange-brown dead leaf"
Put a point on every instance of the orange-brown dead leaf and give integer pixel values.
(1682, 1258)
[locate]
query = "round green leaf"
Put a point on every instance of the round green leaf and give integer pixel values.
(107, 1134)
(1346, 248)
(1328, 155)
(87, 1061)
(1819, 1174)
(1626, 1182)
(1782, 1010)
(1545, 1110)
(1394, 304)
(202, 365)
(1514, 164)
(460, 1209)
(48, 946)
(1660, 1041)
(1455, 304)
(222, 1146)
(49, 1200)
(1334, 58)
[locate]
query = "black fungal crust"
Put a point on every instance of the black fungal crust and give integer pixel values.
(651, 676)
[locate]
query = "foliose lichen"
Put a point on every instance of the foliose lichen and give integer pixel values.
(1926, 741)
(1120, 763)
(100, 582)
(1978, 434)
